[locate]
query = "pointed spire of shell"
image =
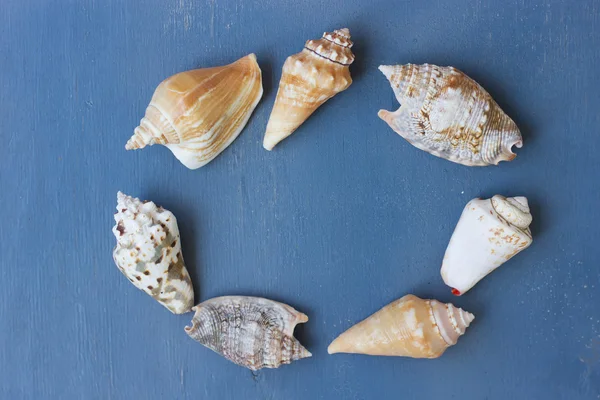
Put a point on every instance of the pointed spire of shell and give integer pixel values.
(334, 46)
(452, 322)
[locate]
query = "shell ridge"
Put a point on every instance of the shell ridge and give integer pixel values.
(324, 57)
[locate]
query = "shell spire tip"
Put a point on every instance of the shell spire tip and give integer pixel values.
(386, 70)
(344, 32)
(137, 141)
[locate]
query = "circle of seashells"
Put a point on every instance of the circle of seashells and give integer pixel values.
(197, 114)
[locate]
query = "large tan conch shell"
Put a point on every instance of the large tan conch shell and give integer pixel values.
(447, 114)
(148, 252)
(489, 233)
(198, 113)
(309, 79)
(408, 327)
(250, 331)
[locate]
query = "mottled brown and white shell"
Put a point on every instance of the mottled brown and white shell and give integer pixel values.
(489, 233)
(148, 253)
(408, 327)
(198, 113)
(250, 331)
(309, 78)
(447, 114)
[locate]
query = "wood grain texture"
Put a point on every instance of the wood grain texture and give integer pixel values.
(340, 219)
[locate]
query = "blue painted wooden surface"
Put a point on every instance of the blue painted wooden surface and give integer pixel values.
(340, 219)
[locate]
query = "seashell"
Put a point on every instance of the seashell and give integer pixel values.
(489, 233)
(407, 327)
(310, 78)
(197, 114)
(250, 331)
(148, 253)
(447, 114)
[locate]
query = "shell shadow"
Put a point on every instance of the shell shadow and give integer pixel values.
(266, 66)
(539, 216)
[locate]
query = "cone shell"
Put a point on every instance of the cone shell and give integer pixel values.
(198, 113)
(489, 233)
(250, 331)
(408, 327)
(148, 253)
(447, 114)
(309, 79)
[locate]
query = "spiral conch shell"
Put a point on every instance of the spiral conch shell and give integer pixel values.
(407, 327)
(148, 253)
(198, 113)
(447, 114)
(310, 78)
(489, 233)
(250, 331)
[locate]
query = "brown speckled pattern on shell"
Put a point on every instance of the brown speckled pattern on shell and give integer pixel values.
(449, 115)
(148, 253)
(250, 331)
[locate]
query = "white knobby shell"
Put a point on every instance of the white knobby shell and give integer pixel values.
(148, 252)
(489, 233)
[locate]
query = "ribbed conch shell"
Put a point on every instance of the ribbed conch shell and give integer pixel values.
(447, 114)
(489, 233)
(408, 327)
(250, 331)
(198, 113)
(148, 253)
(309, 79)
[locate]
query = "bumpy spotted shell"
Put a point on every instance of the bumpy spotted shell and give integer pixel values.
(309, 79)
(250, 331)
(198, 113)
(148, 253)
(409, 327)
(489, 233)
(447, 114)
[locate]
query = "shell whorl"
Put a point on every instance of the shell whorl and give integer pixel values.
(515, 210)
(334, 46)
(154, 128)
(451, 322)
